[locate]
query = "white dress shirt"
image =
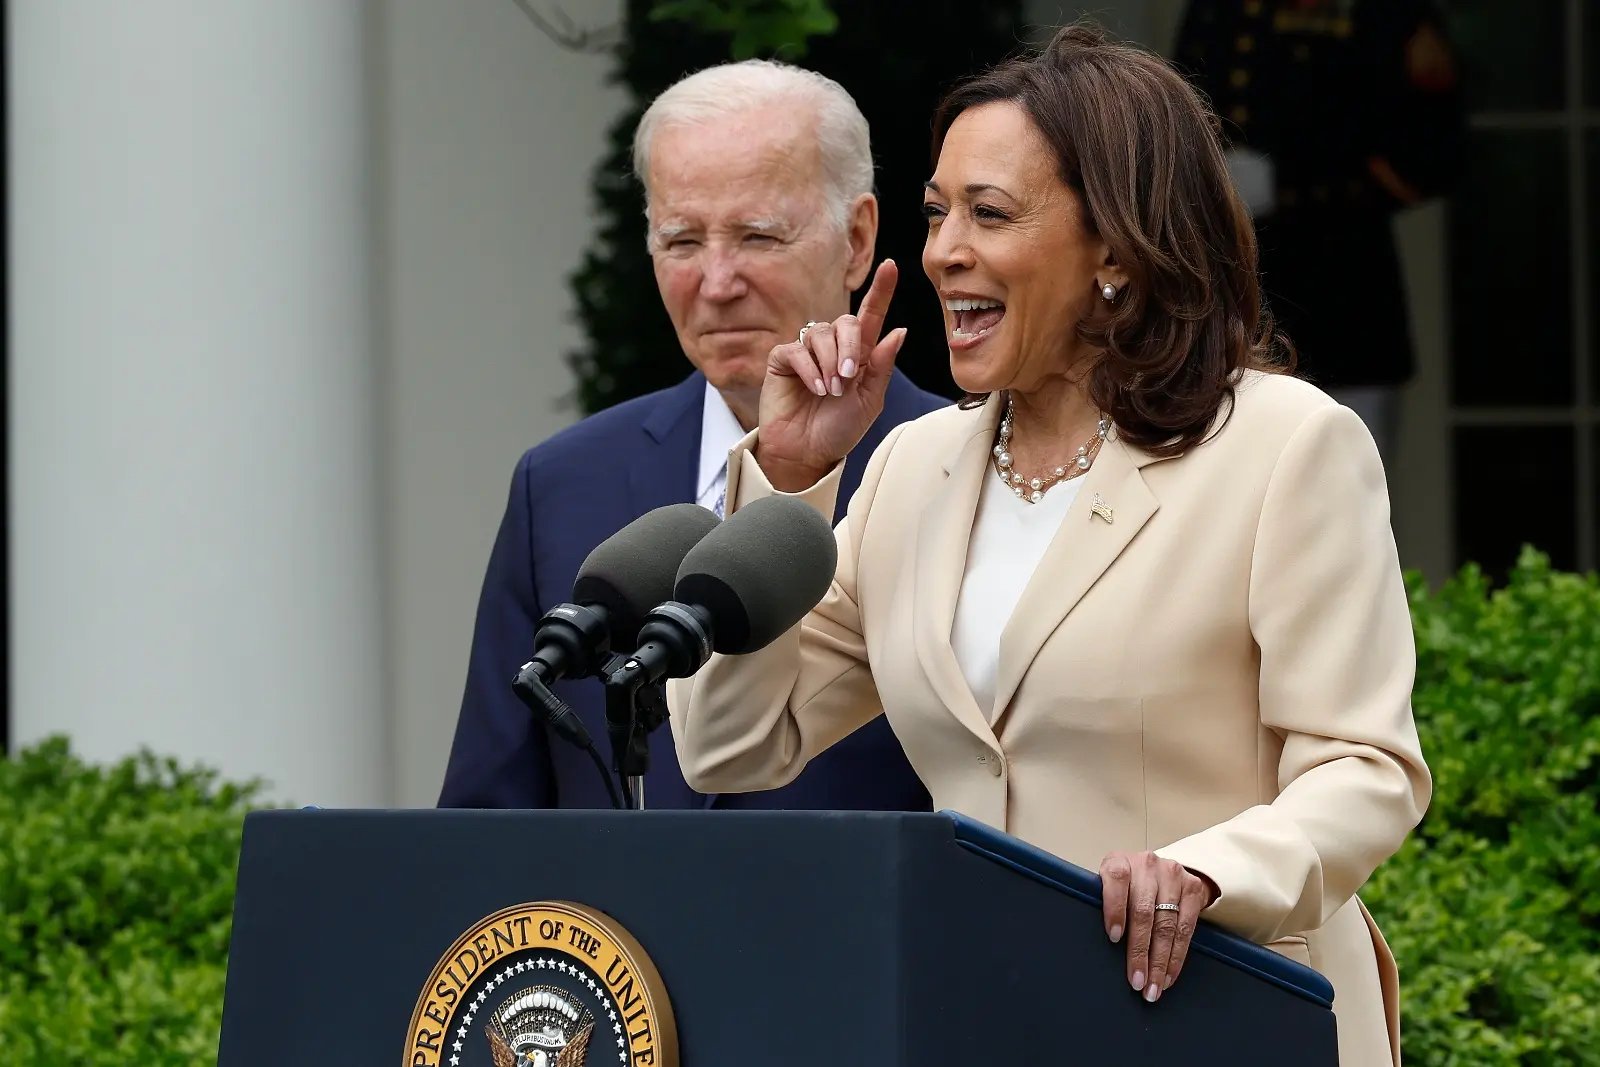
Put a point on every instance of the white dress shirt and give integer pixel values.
(1009, 538)
(719, 432)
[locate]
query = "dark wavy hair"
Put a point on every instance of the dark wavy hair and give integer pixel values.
(1142, 149)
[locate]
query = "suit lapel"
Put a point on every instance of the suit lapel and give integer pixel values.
(943, 533)
(1079, 553)
(901, 403)
(665, 467)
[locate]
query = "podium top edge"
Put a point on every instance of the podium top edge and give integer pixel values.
(1210, 939)
(976, 837)
(886, 817)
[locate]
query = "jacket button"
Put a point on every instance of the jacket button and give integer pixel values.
(992, 762)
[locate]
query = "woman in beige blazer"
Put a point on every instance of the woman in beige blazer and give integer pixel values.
(1138, 601)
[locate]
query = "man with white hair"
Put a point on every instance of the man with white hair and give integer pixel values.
(761, 215)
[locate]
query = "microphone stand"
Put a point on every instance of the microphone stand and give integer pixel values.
(531, 689)
(635, 707)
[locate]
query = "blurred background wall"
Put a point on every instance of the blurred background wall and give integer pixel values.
(264, 399)
(489, 134)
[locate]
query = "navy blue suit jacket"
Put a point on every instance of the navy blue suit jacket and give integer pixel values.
(569, 494)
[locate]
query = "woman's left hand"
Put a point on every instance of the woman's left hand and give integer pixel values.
(1132, 884)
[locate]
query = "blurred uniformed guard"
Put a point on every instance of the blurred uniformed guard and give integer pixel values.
(1338, 113)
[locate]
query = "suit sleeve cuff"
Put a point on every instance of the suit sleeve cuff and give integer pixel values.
(747, 481)
(1243, 905)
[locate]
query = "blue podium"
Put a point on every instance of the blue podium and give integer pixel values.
(713, 939)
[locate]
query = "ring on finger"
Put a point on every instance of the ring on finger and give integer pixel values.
(804, 330)
(1168, 907)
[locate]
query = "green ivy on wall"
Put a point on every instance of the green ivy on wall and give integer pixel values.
(754, 27)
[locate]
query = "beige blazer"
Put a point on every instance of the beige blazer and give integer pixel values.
(1217, 667)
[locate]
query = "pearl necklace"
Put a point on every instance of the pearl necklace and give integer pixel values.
(1034, 489)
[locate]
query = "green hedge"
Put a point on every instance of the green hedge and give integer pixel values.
(1493, 906)
(116, 884)
(116, 895)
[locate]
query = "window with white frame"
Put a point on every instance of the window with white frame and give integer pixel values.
(1524, 404)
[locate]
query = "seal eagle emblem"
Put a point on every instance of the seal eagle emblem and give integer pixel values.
(540, 1027)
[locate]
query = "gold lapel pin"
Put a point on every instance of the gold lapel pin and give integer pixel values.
(1099, 508)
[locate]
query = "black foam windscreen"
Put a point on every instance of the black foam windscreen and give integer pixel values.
(759, 572)
(634, 569)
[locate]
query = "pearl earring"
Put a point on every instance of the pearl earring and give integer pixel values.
(1108, 291)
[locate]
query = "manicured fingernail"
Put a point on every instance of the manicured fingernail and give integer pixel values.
(1166, 983)
(838, 386)
(822, 390)
(847, 369)
(1152, 994)
(1138, 979)
(1116, 934)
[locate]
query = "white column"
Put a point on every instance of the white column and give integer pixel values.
(196, 548)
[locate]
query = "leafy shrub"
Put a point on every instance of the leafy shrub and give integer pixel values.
(116, 898)
(1493, 906)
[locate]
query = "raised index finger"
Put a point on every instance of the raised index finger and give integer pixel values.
(875, 305)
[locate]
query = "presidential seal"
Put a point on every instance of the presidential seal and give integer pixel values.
(546, 984)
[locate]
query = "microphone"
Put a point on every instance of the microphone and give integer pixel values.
(738, 590)
(626, 573)
(620, 581)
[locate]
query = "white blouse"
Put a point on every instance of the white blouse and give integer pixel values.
(1009, 538)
